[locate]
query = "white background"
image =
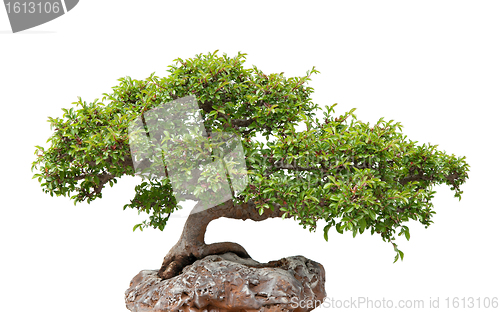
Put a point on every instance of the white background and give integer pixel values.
(432, 65)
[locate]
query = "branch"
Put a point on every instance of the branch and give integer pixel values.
(242, 122)
(207, 106)
(421, 177)
(415, 177)
(103, 179)
(250, 211)
(242, 212)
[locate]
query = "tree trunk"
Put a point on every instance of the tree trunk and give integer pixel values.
(191, 245)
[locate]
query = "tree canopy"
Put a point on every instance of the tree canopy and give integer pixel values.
(353, 175)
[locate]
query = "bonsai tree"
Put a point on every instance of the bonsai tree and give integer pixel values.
(353, 175)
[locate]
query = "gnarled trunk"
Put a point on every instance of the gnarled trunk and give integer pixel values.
(191, 245)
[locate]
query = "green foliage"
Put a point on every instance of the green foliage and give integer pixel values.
(353, 175)
(155, 199)
(89, 148)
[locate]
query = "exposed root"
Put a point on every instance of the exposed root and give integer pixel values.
(178, 258)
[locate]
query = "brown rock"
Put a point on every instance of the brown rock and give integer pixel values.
(230, 283)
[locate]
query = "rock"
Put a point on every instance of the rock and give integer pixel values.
(230, 283)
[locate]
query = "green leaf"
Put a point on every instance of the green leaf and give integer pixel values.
(407, 235)
(396, 258)
(362, 225)
(339, 228)
(325, 230)
(137, 226)
(350, 226)
(372, 214)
